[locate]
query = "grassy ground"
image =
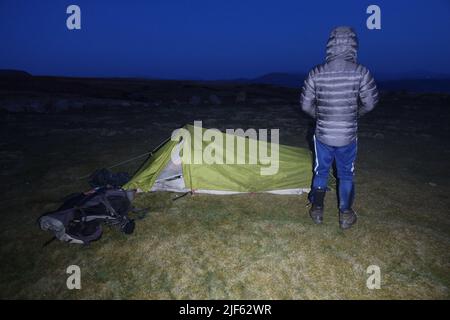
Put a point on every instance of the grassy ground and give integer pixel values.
(204, 246)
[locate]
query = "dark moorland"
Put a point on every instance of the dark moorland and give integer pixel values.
(54, 131)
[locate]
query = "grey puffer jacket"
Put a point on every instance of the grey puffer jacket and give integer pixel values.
(337, 92)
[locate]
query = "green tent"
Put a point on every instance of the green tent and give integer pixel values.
(173, 166)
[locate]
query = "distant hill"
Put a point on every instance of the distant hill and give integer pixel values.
(416, 85)
(409, 82)
(14, 73)
(295, 80)
(281, 79)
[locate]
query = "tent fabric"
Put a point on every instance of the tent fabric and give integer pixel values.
(159, 172)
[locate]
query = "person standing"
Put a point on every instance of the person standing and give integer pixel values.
(336, 93)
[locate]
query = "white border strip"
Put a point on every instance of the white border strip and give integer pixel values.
(296, 191)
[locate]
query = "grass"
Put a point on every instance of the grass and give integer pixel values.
(257, 246)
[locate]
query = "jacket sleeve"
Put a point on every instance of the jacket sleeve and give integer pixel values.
(308, 96)
(368, 93)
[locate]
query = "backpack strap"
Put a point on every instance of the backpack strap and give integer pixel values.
(142, 213)
(46, 243)
(109, 207)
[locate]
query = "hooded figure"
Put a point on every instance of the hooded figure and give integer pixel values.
(335, 94)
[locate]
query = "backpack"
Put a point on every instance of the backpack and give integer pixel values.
(79, 218)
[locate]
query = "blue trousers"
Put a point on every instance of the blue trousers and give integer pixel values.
(345, 164)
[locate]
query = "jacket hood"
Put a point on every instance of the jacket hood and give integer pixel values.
(342, 44)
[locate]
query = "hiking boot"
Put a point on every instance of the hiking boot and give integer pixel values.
(347, 219)
(316, 212)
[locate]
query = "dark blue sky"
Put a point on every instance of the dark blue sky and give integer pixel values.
(214, 39)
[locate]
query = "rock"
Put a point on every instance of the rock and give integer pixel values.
(12, 106)
(108, 133)
(259, 101)
(23, 105)
(241, 97)
(277, 101)
(61, 105)
(195, 100)
(378, 135)
(36, 106)
(214, 99)
(10, 161)
(77, 105)
(138, 96)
